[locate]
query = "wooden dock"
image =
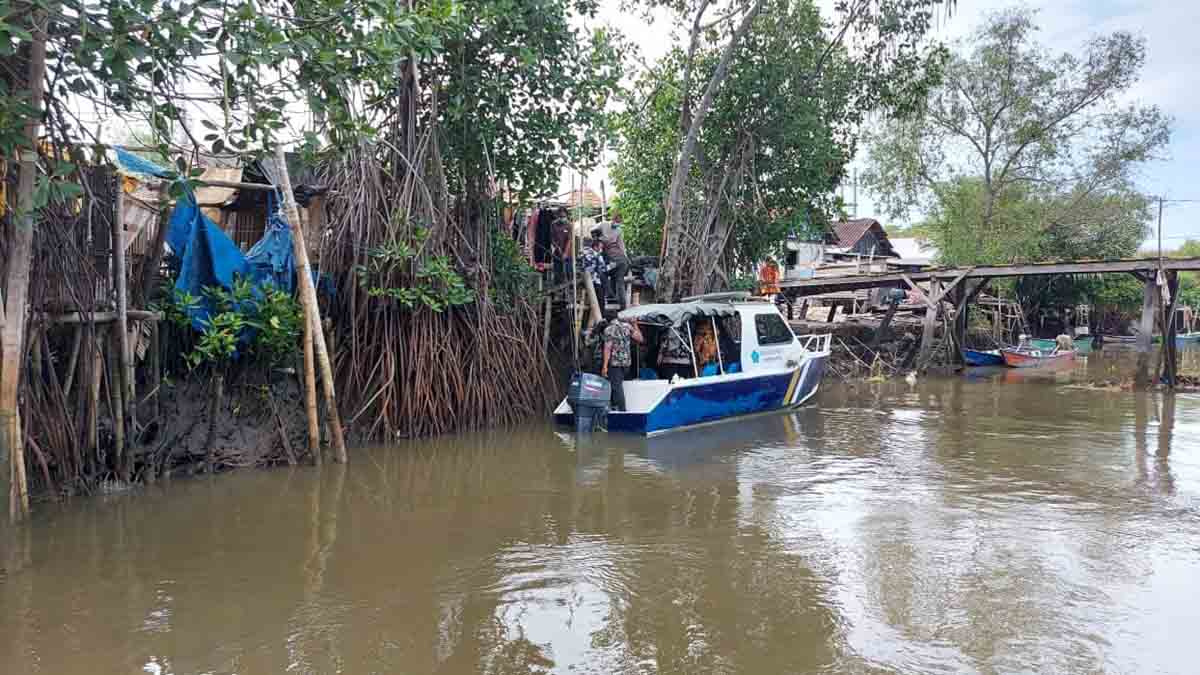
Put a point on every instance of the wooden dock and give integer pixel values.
(960, 285)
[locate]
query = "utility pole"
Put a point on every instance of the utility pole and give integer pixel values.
(854, 184)
(1160, 253)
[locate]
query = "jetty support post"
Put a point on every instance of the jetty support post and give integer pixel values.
(1146, 328)
(1170, 360)
(882, 331)
(932, 300)
(962, 311)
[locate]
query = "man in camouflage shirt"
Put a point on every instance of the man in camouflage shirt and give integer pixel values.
(618, 357)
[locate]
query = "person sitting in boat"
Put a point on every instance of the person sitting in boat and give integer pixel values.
(705, 345)
(1065, 343)
(618, 356)
(673, 355)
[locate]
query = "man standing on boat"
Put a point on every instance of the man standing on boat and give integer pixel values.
(618, 259)
(618, 357)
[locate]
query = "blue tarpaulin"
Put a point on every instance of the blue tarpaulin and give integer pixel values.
(206, 256)
(271, 259)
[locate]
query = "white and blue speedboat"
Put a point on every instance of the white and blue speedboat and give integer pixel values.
(761, 366)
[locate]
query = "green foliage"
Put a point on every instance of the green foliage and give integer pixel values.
(435, 284)
(1189, 282)
(274, 316)
(783, 123)
(1022, 154)
(519, 87)
(278, 321)
(218, 341)
(1115, 292)
(1027, 225)
(513, 278)
(178, 306)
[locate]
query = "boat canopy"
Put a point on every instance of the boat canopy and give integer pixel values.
(674, 314)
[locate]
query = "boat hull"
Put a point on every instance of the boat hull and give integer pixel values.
(1021, 359)
(976, 357)
(701, 401)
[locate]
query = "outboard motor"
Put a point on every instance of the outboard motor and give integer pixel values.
(589, 396)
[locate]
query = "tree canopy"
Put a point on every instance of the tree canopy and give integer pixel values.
(1022, 154)
(518, 86)
(782, 94)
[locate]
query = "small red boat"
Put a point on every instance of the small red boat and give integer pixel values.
(1034, 358)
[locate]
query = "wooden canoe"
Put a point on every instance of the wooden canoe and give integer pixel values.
(978, 357)
(1034, 358)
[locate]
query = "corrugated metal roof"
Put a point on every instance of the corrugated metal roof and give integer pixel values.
(848, 232)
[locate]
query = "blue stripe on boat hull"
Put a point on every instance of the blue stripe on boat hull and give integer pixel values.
(685, 406)
(713, 401)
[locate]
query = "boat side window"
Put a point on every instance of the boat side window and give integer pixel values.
(731, 326)
(772, 330)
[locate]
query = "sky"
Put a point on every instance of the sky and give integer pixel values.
(1170, 80)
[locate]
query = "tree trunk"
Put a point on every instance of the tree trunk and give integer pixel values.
(312, 313)
(683, 165)
(20, 254)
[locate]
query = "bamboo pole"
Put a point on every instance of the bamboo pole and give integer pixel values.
(126, 411)
(597, 312)
(312, 312)
(310, 397)
(93, 412)
(13, 487)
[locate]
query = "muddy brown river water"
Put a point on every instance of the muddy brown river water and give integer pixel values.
(999, 523)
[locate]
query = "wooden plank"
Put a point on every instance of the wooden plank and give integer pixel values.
(103, 317)
(953, 284)
(802, 287)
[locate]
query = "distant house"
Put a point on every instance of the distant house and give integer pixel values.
(861, 236)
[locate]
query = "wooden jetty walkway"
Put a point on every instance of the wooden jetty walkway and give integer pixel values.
(961, 285)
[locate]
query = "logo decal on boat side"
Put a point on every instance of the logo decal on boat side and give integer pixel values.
(754, 356)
